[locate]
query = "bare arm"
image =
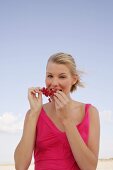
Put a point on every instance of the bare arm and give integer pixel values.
(24, 150)
(86, 156)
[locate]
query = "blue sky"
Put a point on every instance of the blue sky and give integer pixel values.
(30, 31)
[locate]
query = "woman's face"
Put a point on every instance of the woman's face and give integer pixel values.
(58, 77)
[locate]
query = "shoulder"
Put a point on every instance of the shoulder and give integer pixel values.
(94, 117)
(94, 113)
(94, 130)
(78, 104)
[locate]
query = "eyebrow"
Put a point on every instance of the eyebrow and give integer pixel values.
(59, 74)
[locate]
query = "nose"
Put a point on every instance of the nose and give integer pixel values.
(54, 82)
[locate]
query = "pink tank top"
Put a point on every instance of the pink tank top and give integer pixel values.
(52, 150)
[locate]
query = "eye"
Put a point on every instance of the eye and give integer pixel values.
(50, 76)
(62, 77)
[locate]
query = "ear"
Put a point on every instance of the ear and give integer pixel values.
(75, 79)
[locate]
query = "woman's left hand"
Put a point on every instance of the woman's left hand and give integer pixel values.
(62, 105)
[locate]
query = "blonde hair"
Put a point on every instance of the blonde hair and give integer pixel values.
(68, 60)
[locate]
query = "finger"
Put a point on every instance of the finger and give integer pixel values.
(34, 90)
(38, 92)
(38, 89)
(61, 93)
(31, 90)
(58, 103)
(62, 98)
(40, 95)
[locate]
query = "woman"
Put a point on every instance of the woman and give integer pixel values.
(63, 133)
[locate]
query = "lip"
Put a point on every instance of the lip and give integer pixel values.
(56, 89)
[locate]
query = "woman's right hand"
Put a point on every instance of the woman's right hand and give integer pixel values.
(34, 100)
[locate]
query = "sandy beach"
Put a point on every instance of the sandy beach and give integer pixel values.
(103, 164)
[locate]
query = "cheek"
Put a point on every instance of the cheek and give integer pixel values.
(66, 85)
(47, 82)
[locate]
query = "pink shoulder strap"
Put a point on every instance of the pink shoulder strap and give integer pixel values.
(87, 107)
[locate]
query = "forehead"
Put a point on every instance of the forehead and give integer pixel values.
(59, 68)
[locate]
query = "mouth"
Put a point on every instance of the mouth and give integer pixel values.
(49, 92)
(56, 89)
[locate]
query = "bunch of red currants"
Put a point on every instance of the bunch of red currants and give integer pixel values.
(48, 92)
